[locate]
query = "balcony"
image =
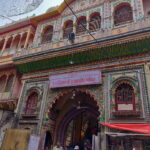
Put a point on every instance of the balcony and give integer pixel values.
(7, 102)
(8, 52)
(132, 27)
(127, 114)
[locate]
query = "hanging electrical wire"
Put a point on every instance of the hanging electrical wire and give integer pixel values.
(7, 17)
(80, 23)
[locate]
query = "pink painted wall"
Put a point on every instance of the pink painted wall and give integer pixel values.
(17, 87)
(146, 5)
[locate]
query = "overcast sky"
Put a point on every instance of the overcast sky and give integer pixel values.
(40, 10)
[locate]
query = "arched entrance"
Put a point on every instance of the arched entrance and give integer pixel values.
(76, 118)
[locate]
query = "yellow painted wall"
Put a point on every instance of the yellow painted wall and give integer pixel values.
(16, 139)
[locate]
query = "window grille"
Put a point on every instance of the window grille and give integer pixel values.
(79, 28)
(95, 22)
(123, 14)
(47, 35)
(124, 95)
(68, 29)
(32, 102)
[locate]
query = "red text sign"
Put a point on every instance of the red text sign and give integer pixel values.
(75, 79)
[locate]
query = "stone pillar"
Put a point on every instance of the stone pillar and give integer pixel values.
(74, 25)
(138, 11)
(21, 36)
(4, 46)
(61, 32)
(87, 26)
(27, 38)
(147, 75)
(13, 38)
(87, 21)
(103, 139)
(107, 18)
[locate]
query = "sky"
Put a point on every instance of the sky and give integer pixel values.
(40, 10)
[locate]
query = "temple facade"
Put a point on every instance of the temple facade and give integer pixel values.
(79, 74)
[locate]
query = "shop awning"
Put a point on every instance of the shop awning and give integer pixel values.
(139, 128)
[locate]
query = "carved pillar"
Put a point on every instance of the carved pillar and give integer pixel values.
(138, 10)
(13, 38)
(27, 38)
(4, 46)
(74, 25)
(87, 21)
(107, 18)
(61, 32)
(21, 36)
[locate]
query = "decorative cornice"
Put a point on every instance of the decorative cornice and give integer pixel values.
(127, 50)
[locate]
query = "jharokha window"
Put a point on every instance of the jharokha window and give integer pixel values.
(80, 23)
(124, 97)
(68, 28)
(47, 34)
(32, 101)
(95, 22)
(123, 14)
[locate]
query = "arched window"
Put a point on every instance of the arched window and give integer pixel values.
(80, 23)
(124, 97)
(146, 8)
(2, 83)
(32, 102)
(123, 14)
(9, 83)
(68, 28)
(95, 22)
(47, 34)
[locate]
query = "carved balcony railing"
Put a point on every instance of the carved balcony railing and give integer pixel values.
(4, 96)
(7, 101)
(100, 34)
(8, 52)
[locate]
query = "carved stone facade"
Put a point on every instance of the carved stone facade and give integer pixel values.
(118, 50)
(135, 77)
(33, 121)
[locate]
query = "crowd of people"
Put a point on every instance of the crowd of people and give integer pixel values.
(58, 146)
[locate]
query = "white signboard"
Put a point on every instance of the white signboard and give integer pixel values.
(88, 77)
(33, 142)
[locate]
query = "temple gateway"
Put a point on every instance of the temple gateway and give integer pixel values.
(77, 75)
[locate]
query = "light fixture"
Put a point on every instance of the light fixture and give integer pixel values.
(73, 94)
(71, 62)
